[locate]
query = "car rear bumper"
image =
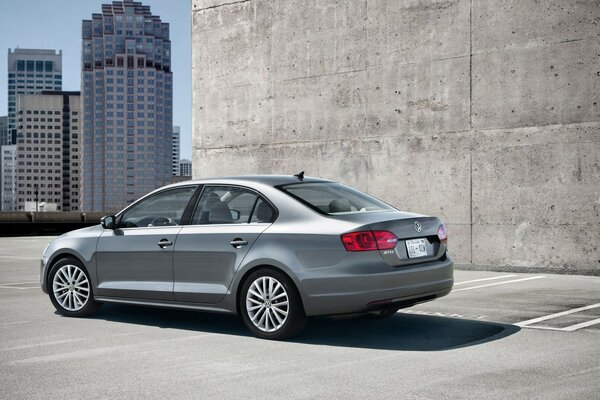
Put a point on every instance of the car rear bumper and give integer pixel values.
(344, 293)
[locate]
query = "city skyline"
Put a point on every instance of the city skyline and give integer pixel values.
(48, 28)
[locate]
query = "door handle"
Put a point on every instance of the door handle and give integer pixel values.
(164, 243)
(238, 242)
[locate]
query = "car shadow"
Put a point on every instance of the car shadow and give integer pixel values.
(406, 332)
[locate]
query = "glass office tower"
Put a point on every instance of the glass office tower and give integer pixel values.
(30, 71)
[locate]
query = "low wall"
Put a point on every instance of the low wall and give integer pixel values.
(45, 223)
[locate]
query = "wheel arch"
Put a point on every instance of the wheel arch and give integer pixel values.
(64, 254)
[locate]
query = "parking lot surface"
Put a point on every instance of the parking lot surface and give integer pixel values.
(497, 335)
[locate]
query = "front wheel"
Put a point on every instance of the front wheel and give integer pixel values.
(270, 305)
(71, 289)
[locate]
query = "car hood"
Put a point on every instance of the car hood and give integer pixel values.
(90, 231)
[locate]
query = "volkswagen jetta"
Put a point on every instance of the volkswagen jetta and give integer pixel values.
(274, 249)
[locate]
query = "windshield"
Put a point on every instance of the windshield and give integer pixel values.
(334, 198)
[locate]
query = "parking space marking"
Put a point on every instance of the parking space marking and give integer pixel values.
(18, 287)
(582, 325)
(484, 279)
(441, 314)
(500, 283)
(12, 323)
(529, 322)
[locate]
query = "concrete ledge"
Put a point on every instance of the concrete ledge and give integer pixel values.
(45, 223)
(566, 270)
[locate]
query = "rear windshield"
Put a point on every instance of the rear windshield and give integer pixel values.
(334, 198)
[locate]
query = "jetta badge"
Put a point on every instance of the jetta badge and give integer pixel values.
(417, 226)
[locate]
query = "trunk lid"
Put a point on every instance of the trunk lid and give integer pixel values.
(417, 235)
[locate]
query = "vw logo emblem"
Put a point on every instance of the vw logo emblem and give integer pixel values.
(417, 226)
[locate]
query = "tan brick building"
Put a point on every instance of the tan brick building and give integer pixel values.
(48, 151)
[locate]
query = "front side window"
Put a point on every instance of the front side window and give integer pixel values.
(334, 198)
(162, 209)
(229, 205)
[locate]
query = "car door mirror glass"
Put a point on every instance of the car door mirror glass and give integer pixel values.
(108, 222)
(235, 215)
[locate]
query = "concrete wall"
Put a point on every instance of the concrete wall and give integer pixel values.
(484, 113)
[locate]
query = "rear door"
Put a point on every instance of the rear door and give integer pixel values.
(226, 222)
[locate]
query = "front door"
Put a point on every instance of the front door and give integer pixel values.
(136, 259)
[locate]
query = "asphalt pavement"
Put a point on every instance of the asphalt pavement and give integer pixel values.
(496, 336)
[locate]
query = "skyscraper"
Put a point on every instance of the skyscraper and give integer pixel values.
(127, 97)
(3, 142)
(185, 167)
(4, 131)
(30, 71)
(176, 149)
(8, 169)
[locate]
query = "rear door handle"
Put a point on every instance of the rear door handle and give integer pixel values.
(164, 243)
(238, 242)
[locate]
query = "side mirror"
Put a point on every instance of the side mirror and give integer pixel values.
(108, 222)
(235, 215)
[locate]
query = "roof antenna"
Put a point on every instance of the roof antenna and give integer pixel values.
(300, 176)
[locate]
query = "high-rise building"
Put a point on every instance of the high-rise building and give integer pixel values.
(30, 71)
(8, 159)
(4, 131)
(48, 155)
(127, 97)
(185, 168)
(3, 142)
(176, 149)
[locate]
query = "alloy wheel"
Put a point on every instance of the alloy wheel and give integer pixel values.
(267, 304)
(71, 287)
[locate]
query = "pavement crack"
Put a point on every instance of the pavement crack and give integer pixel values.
(221, 5)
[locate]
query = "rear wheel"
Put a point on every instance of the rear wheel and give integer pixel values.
(71, 289)
(270, 305)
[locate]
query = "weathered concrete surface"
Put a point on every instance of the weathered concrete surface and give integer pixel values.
(483, 113)
(462, 346)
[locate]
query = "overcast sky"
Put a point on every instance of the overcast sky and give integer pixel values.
(56, 24)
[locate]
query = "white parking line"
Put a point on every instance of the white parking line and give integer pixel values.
(18, 288)
(500, 283)
(484, 279)
(560, 314)
(582, 325)
(12, 323)
(18, 283)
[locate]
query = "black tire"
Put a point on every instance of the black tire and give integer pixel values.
(295, 319)
(80, 306)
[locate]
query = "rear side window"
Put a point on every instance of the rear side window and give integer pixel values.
(334, 198)
(231, 205)
(263, 212)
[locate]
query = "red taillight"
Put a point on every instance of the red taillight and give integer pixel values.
(385, 240)
(442, 234)
(359, 241)
(369, 240)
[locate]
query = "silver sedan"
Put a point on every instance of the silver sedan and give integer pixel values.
(273, 249)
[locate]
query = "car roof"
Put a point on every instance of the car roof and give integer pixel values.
(270, 180)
